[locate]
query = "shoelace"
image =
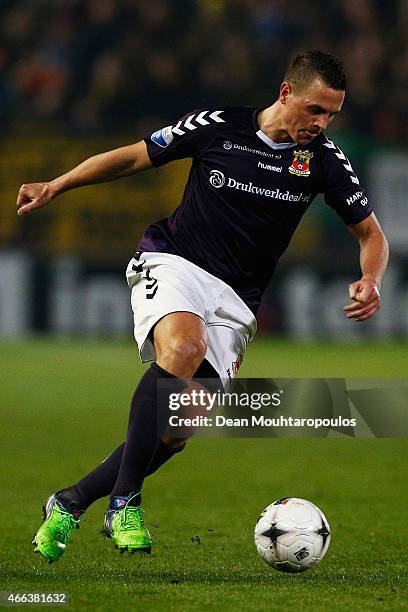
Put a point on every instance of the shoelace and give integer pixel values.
(68, 523)
(131, 516)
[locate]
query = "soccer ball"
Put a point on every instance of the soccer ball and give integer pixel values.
(292, 535)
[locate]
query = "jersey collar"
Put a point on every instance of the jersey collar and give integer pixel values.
(271, 143)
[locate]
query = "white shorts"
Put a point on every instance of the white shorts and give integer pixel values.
(162, 283)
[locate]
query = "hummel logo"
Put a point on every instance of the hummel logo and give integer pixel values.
(269, 167)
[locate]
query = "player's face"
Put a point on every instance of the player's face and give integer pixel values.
(308, 113)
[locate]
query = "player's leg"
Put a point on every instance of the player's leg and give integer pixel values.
(180, 344)
(69, 503)
(100, 481)
(63, 509)
(174, 295)
(180, 341)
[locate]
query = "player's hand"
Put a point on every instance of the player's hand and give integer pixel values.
(366, 296)
(33, 196)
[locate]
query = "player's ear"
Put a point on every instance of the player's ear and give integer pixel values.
(284, 91)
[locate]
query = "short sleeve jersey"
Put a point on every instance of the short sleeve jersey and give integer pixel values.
(245, 195)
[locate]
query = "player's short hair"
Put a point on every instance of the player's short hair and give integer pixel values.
(308, 66)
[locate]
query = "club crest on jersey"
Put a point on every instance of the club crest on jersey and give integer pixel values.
(237, 363)
(301, 163)
(163, 137)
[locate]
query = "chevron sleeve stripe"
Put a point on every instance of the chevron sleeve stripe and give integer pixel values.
(192, 122)
(340, 155)
(187, 137)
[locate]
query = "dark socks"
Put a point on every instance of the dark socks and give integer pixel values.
(100, 482)
(163, 454)
(143, 435)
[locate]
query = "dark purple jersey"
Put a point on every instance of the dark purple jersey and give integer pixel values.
(245, 195)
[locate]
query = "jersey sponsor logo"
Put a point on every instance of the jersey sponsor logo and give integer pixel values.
(233, 145)
(300, 165)
(217, 179)
(163, 137)
(269, 167)
(340, 155)
(357, 197)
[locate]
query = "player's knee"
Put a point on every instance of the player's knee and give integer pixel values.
(186, 351)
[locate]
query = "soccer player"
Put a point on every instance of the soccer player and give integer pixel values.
(198, 276)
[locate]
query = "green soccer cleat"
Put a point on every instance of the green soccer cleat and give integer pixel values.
(124, 525)
(52, 537)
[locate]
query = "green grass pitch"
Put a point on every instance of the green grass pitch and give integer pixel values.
(63, 408)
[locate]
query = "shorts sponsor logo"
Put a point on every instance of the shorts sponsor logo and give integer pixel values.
(269, 167)
(227, 145)
(217, 179)
(163, 137)
(357, 197)
(300, 165)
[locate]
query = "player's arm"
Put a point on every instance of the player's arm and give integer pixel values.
(365, 292)
(97, 169)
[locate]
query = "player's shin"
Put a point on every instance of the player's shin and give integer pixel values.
(100, 481)
(143, 437)
(124, 516)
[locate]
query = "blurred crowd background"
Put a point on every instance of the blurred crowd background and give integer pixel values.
(78, 77)
(95, 64)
